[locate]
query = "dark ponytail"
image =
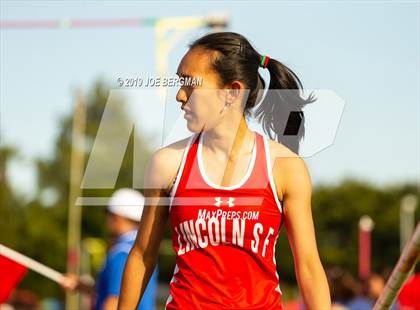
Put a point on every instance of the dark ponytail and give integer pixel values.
(280, 112)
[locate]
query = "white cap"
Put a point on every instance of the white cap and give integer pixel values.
(127, 202)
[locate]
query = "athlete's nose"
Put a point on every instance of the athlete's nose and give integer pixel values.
(182, 97)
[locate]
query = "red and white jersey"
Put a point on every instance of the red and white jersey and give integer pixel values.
(224, 237)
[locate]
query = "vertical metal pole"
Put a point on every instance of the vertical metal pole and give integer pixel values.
(75, 211)
(407, 210)
(179, 27)
(165, 42)
(365, 228)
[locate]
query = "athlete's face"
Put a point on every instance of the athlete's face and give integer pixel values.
(201, 103)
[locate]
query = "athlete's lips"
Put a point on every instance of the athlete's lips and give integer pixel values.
(188, 114)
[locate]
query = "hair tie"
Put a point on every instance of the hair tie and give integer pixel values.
(264, 61)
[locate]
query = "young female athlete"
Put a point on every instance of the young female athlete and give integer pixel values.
(225, 200)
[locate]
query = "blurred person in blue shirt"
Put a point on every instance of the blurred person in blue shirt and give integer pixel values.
(123, 216)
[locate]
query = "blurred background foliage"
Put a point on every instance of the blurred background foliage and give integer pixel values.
(38, 228)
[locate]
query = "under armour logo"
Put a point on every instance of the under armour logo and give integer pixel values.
(219, 201)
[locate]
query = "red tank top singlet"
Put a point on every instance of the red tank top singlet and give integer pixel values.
(224, 237)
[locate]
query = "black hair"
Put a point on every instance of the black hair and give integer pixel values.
(280, 112)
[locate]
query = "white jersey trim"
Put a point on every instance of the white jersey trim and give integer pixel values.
(181, 169)
(213, 185)
(275, 264)
(169, 299)
(270, 174)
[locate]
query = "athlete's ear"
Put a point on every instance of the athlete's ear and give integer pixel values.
(233, 92)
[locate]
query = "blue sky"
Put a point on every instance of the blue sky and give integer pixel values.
(367, 52)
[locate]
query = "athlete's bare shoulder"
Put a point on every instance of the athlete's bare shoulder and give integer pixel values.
(279, 150)
(165, 162)
(285, 163)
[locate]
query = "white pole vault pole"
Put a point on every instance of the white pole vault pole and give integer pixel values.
(405, 265)
(31, 264)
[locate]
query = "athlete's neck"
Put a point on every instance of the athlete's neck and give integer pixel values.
(233, 139)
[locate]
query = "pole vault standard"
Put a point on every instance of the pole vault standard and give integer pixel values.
(407, 218)
(405, 265)
(75, 211)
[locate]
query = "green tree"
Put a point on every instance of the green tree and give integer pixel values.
(10, 206)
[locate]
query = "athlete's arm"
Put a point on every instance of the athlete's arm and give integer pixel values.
(297, 193)
(143, 256)
(110, 303)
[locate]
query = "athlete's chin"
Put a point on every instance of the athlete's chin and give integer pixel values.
(193, 127)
